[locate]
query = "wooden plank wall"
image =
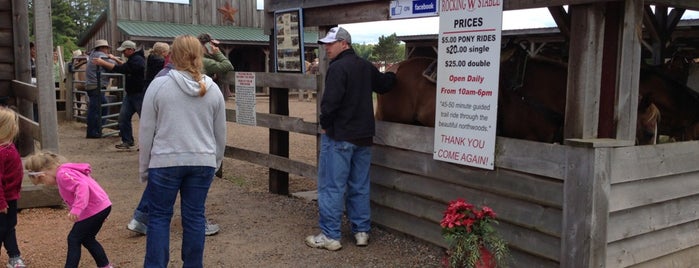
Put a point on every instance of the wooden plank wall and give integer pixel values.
(653, 211)
(7, 67)
(410, 190)
(203, 12)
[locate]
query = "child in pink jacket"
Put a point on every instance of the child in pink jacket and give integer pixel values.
(88, 203)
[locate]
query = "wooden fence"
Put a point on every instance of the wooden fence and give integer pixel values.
(557, 205)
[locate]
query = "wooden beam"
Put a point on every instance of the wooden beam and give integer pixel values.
(279, 122)
(562, 19)
(20, 29)
(278, 141)
(584, 74)
(585, 209)
(283, 80)
(44, 80)
(273, 162)
(340, 14)
(673, 19)
(627, 81)
(686, 4)
(651, 25)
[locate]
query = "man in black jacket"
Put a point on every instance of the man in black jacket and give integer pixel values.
(134, 70)
(347, 123)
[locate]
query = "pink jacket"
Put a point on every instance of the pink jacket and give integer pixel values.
(82, 193)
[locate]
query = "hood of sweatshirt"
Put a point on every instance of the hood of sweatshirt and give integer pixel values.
(83, 168)
(187, 84)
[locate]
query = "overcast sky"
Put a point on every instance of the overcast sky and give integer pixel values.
(369, 32)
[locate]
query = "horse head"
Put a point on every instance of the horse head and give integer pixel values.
(678, 103)
(412, 99)
(647, 122)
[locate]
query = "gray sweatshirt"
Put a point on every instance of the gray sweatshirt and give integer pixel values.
(180, 128)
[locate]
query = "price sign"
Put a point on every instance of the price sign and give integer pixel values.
(467, 84)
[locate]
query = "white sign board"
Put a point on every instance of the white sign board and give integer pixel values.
(403, 9)
(467, 84)
(245, 101)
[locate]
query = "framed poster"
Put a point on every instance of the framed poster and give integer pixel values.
(288, 41)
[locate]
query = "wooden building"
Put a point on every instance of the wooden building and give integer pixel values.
(238, 25)
(594, 201)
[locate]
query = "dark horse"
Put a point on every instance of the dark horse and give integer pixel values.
(531, 103)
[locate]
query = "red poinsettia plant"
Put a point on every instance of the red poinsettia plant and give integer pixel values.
(473, 242)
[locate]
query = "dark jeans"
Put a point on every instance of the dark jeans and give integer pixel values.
(84, 233)
(94, 123)
(131, 104)
(8, 235)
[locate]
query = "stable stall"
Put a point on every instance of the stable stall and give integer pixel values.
(594, 201)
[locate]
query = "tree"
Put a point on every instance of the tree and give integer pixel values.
(388, 50)
(363, 50)
(69, 19)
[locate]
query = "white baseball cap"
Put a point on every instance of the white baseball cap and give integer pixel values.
(336, 34)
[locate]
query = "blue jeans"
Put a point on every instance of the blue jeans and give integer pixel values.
(192, 183)
(94, 125)
(130, 105)
(84, 233)
(141, 212)
(343, 175)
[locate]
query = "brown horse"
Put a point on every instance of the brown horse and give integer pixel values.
(531, 103)
(412, 99)
(678, 103)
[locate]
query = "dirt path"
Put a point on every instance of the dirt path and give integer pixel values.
(258, 229)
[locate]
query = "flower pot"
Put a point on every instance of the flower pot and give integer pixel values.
(486, 260)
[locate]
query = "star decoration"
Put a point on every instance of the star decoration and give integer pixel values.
(228, 12)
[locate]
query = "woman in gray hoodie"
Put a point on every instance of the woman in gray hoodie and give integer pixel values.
(182, 138)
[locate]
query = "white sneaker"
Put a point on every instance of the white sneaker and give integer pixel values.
(362, 239)
(322, 241)
(211, 228)
(137, 226)
(16, 262)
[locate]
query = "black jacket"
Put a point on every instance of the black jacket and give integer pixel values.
(135, 70)
(347, 107)
(154, 65)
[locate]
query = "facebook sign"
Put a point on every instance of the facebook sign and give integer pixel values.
(401, 9)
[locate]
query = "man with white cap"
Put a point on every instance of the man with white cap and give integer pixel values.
(94, 86)
(347, 123)
(135, 72)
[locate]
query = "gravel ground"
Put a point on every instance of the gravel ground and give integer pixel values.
(258, 229)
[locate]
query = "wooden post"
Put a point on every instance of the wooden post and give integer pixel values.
(69, 92)
(629, 61)
(44, 73)
(585, 208)
(586, 187)
(25, 142)
(278, 139)
(582, 103)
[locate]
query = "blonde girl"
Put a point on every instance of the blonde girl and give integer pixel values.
(88, 203)
(11, 175)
